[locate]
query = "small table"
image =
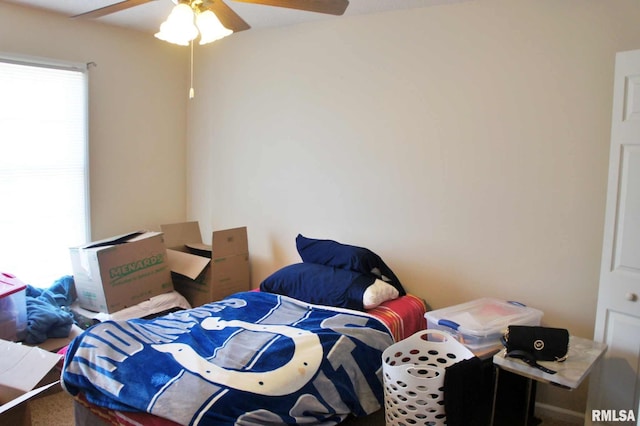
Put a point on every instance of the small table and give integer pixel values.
(583, 354)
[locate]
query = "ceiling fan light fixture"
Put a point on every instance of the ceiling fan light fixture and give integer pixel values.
(179, 27)
(211, 29)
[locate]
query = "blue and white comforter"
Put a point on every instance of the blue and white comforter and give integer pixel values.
(253, 358)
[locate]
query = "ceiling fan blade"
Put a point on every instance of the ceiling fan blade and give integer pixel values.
(227, 16)
(112, 8)
(332, 7)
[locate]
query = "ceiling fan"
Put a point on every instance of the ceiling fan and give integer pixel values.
(225, 14)
(212, 19)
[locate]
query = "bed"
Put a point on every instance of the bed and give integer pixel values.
(274, 356)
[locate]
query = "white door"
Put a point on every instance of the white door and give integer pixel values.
(614, 389)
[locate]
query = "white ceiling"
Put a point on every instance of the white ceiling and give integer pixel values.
(148, 17)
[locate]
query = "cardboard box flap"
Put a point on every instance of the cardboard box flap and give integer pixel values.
(178, 235)
(137, 236)
(187, 264)
(21, 368)
(120, 239)
(229, 242)
(200, 247)
(25, 397)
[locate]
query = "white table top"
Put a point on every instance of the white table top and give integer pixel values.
(583, 354)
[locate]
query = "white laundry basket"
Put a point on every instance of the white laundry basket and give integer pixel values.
(413, 372)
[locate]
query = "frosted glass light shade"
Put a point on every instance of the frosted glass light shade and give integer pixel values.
(179, 27)
(211, 29)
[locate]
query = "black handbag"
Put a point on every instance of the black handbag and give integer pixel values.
(534, 343)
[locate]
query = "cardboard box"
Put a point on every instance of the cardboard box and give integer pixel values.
(25, 372)
(122, 271)
(205, 273)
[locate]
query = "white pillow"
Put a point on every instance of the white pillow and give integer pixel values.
(377, 293)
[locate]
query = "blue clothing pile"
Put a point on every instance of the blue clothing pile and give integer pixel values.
(48, 314)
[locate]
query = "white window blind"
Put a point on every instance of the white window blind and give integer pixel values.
(43, 168)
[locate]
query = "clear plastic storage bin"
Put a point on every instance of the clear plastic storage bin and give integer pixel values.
(13, 308)
(480, 324)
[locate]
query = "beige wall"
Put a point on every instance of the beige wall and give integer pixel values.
(466, 144)
(137, 107)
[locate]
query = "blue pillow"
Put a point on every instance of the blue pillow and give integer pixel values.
(343, 256)
(319, 284)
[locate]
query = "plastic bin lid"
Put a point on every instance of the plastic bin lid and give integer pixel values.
(484, 316)
(9, 285)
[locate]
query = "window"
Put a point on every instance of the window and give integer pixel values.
(43, 167)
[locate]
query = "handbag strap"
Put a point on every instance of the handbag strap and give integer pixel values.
(529, 359)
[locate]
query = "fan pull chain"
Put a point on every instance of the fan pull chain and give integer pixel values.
(191, 91)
